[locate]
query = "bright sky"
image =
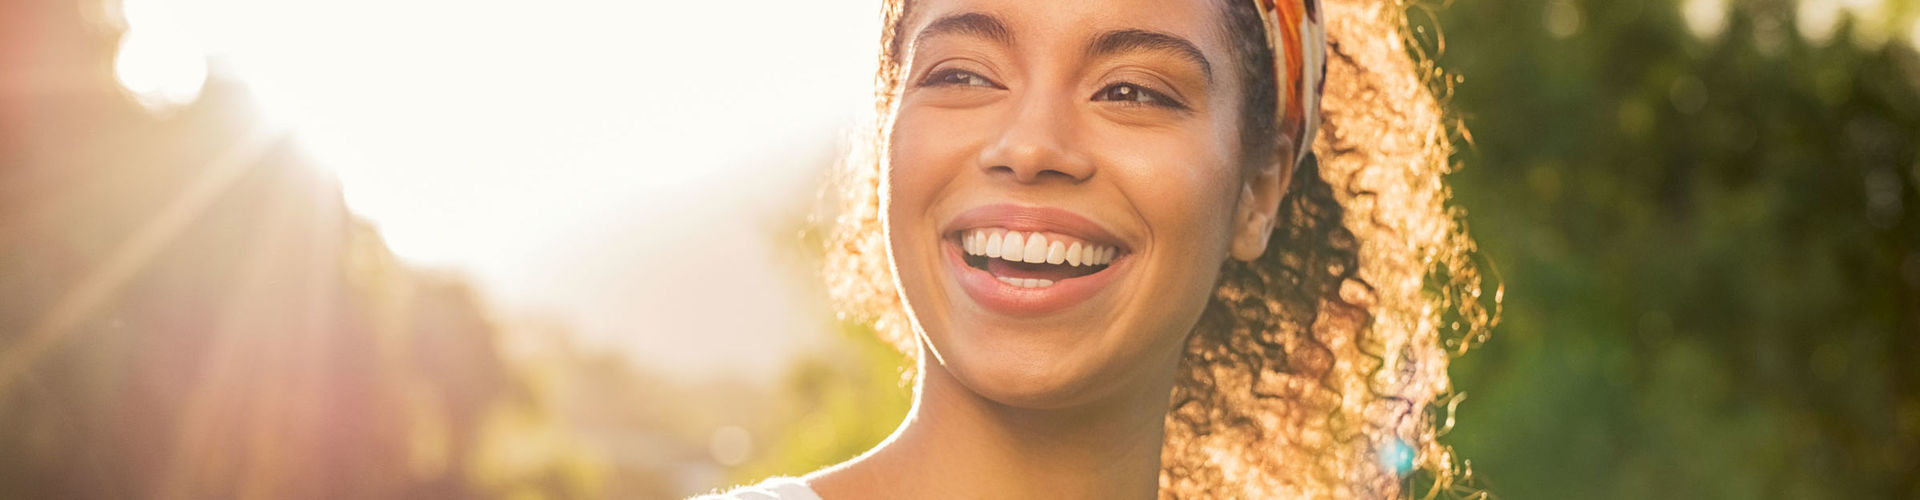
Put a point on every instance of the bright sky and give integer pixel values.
(629, 168)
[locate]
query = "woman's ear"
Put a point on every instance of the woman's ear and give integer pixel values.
(1260, 194)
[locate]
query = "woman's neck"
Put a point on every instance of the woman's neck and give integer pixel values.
(957, 444)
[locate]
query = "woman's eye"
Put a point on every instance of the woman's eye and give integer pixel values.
(959, 77)
(1135, 94)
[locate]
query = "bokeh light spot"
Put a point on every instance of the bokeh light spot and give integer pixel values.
(1705, 18)
(1688, 95)
(1397, 456)
(730, 445)
(158, 61)
(1562, 18)
(1913, 35)
(1817, 20)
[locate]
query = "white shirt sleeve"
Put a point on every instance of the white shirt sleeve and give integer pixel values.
(779, 488)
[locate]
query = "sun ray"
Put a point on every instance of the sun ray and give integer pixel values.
(234, 359)
(132, 255)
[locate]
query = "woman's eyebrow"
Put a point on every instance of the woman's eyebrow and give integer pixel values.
(1115, 42)
(967, 23)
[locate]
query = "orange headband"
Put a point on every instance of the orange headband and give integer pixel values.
(1298, 40)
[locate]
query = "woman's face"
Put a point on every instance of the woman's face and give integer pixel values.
(1062, 188)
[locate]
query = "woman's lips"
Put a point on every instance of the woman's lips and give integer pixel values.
(1024, 261)
(1011, 299)
(1033, 219)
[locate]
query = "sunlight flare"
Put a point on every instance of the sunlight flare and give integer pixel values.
(159, 60)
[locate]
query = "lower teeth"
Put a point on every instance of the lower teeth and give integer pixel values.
(1026, 282)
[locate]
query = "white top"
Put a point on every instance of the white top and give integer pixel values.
(779, 488)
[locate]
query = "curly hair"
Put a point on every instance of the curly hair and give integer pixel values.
(1319, 369)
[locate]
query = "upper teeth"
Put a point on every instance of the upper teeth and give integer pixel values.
(1034, 248)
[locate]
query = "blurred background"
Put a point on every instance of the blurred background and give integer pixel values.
(437, 249)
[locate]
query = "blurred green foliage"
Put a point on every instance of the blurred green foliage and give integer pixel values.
(1710, 242)
(843, 402)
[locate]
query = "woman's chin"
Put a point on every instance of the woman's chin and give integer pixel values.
(1029, 380)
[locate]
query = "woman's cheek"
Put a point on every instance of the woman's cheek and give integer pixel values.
(1185, 195)
(1178, 186)
(917, 159)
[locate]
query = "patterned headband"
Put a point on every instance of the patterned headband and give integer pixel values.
(1298, 40)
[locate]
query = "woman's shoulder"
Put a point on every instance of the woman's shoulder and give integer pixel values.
(779, 488)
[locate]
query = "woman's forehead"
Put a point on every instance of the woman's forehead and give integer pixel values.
(1028, 22)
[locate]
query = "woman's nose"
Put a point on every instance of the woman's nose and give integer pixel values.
(1037, 143)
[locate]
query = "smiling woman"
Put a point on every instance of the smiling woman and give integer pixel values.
(1123, 272)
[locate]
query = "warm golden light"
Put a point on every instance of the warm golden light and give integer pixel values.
(559, 155)
(159, 62)
(1913, 35)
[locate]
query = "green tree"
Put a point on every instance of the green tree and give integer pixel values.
(1711, 245)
